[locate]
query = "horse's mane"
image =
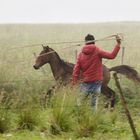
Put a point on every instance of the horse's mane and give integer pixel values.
(67, 65)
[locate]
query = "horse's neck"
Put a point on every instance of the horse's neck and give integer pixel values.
(56, 67)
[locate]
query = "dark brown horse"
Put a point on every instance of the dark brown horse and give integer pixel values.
(62, 71)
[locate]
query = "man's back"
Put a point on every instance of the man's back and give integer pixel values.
(89, 62)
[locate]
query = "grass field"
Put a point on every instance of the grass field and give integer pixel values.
(22, 117)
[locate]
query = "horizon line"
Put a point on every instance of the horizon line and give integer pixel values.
(70, 22)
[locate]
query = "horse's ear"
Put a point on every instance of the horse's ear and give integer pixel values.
(45, 47)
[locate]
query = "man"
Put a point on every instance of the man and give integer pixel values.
(89, 67)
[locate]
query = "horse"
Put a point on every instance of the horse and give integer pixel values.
(62, 72)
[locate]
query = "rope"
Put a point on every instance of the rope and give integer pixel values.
(14, 62)
(13, 81)
(111, 37)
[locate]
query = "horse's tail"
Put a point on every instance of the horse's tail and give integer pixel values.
(128, 71)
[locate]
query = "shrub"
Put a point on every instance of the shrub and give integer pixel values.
(5, 120)
(62, 117)
(87, 121)
(29, 118)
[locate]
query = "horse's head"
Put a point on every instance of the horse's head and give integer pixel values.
(43, 57)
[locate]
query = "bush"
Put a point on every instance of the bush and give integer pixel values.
(62, 119)
(5, 120)
(87, 121)
(29, 118)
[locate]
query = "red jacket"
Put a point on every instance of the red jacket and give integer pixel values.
(89, 63)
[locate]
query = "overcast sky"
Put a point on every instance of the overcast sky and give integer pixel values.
(65, 11)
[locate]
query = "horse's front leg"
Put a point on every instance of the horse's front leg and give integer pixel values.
(45, 99)
(47, 96)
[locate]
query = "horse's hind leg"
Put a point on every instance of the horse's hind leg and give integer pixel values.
(110, 94)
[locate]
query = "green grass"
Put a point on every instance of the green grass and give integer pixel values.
(25, 118)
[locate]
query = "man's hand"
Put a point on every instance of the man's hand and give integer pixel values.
(118, 39)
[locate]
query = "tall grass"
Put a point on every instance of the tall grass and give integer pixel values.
(29, 118)
(87, 121)
(5, 120)
(62, 119)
